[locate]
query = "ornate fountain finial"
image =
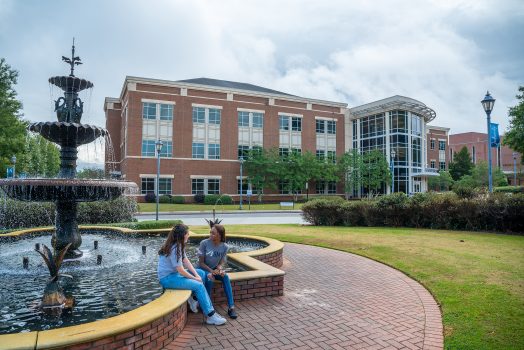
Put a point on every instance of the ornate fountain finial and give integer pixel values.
(73, 60)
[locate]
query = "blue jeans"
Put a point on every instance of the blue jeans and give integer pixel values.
(177, 281)
(226, 283)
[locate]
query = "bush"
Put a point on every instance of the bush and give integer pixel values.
(150, 197)
(166, 198)
(509, 189)
(393, 209)
(178, 200)
(121, 209)
(199, 198)
(326, 212)
(222, 199)
(147, 225)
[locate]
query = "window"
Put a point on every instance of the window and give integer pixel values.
(198, 150)
(245, 186)
(243, 118)
(147, 185)
(432, 164)
(214, 116)
(213, 151)
(148, 148)
(258, 120)
(197, 186)
(164, 186)
(166, 112)
(213, 186)
(332, 156)
(199, 115)
(296, 124)
(326, 187)
(149, 110)
(296, 151)
(442, 165)
(283, 122)
(283, 152)
(320, 126)
(167, 149)
(432, 144)
(398, 121)
(331, 187)
(442, 145)
(321, 154)
(243, 151)
(283, 187)
(331, 127)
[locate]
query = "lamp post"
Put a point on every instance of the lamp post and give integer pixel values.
(13, 160)
(393, 155)
(241, 184)
(158, 146)
(515, 168)
(487, 103)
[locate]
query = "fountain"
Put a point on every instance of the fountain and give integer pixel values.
(67, 191)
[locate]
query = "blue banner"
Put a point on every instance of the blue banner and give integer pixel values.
(494, 131)
(10, 172)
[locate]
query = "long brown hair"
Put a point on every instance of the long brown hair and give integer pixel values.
(175, 237)
(221, 231)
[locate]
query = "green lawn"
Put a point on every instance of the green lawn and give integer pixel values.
(151, 207)
(479, 282)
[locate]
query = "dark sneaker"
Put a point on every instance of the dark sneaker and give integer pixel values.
(232, 314)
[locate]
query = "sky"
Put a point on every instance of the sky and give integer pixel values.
(444, 53)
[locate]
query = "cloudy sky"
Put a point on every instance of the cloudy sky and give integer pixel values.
(444, 53)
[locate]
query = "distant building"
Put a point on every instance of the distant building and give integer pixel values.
(501, 157)
(437, 146)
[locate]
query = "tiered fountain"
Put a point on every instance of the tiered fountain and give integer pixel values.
(67, 191)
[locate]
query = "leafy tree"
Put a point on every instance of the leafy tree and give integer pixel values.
(260, 168)
(91, 173)
(350, 168)
(442, 182)
(375, 171)
(297, 169)
(39, 158)
(514, 137)
(461, 164)
(480, 175)
(12, 127)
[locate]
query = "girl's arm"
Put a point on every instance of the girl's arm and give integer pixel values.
(203, 265)
(186, 274)
(191, 269)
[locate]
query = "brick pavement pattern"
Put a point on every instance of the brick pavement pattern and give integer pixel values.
(332, 300)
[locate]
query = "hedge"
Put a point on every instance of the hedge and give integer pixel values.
(496, 212)
(213, 198)
(509, 189)
(17, 214)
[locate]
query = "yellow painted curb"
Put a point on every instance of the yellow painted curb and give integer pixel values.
(18, 341)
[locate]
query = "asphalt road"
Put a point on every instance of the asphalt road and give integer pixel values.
(230, 217)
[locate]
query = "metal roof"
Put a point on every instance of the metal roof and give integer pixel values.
(394, 102)
(232, 85)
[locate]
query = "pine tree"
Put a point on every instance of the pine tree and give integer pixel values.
(461, 164)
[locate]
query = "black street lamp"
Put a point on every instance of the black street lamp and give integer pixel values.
(158, 145)
(487, 103)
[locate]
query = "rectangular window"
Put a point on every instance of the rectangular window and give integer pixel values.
(283, 187)
(166, 112)
(258, 120)
(213, 151)
(296, 124)
(245, 186)
(321, 154)
(164, 186)
(320, 188)
(199, 115)
(147, 185)
(331, 127)
(243, 151)
(213, 186)
(442, 165)
(214, 116)
(148, 148)
(432, 164)
(283, 152)
(198, 150)
(243, 119)
(167, 149)
(197, 186)
(442, 145)
(331, 187)
(432, 144)
(283, 122)
(149, 110)
(332, 156)
(320, 126)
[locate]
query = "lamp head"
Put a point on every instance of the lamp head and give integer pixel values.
(393, 153)
(159, 145)
(241, 160)
(13, 159)
(488, 102)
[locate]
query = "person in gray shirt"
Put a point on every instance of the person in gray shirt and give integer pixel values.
(212, 255)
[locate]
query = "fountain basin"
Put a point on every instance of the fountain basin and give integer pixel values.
(76, 190)
(160, 321)
(68, 134)
(69, 83)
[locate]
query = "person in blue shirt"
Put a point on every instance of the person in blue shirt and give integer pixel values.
(172, 273)
(212, 254)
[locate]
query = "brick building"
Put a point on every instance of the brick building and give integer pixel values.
(437, 146)
(502, 157)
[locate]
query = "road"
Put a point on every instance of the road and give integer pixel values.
(230, 217)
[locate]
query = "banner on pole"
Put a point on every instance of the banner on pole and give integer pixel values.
(494, 131)
(10, 172)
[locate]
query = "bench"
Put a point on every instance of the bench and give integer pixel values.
(287, 204)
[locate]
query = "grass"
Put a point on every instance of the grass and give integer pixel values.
(151, 207)
(477, 278)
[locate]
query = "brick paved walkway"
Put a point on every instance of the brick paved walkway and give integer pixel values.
(332, 300)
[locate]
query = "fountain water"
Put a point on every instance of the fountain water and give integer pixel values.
(66, 191)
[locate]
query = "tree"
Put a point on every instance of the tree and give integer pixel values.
(91, 173)
(461, 164)
(375, 171)
(39, 158)
(12, 127)
(260, 168)
(350, 168)
(442, 182)
(514, 137)
(479, 175)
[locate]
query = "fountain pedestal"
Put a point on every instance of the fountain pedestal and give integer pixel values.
(67, 229)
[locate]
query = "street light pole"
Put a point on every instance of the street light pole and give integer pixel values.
(488, 102)
(13, 160)
(515, 168)
(241, 184)
(393, 155)
(158, 146)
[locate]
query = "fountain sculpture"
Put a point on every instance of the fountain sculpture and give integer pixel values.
(67, 191)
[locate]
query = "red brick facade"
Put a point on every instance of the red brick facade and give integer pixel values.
(435, 155)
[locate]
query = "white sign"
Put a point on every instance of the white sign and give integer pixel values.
(249, 193)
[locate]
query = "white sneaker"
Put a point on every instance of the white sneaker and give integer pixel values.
(193, 304)
(216, 320)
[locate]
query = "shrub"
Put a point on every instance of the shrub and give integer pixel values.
(218, 199)
(199, 198)
(166, 198)
(121, 209)
(178, 200)
(147, 225)
(325, 212)
(509, 189)
(393, 209)
(150, 197)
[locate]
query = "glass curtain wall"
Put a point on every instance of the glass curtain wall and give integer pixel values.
(372, 137)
